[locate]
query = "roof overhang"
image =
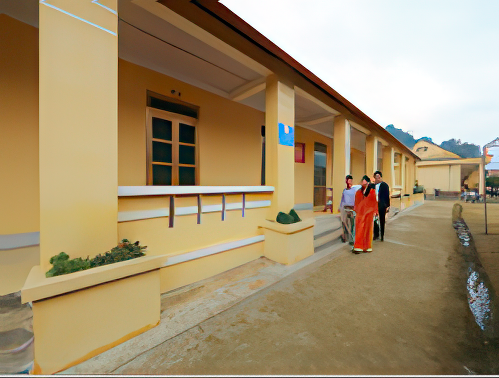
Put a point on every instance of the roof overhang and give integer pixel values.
(468, 161)
(236, 32)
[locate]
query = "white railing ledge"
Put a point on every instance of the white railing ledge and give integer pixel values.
(156, 190)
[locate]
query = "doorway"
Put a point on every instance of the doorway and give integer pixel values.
(320, 164)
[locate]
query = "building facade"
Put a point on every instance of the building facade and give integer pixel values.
(443, 172)
(174, 123)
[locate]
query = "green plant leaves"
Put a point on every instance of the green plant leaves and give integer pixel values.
(122, 252)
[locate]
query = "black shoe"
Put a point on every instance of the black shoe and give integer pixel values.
(382, 239)
(376, 238)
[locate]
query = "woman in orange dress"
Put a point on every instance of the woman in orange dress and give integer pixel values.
(365, 208)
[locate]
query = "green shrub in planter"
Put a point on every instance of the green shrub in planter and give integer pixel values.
(122, 252)
(63, 265)
(284, 218)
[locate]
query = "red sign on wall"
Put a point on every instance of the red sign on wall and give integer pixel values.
(299, 152)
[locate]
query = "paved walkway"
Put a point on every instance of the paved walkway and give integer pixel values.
(399, 310)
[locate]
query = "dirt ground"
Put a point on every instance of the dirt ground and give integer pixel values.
(487, 245)
(399, 310)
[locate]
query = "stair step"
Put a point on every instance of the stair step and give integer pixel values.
(15, 340)
(327, 237)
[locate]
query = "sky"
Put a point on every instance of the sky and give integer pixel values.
(428, 67)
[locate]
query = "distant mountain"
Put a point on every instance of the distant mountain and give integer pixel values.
(465, 150)
(404, 137)
(401, 135)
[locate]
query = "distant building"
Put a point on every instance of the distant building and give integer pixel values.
(445, 173)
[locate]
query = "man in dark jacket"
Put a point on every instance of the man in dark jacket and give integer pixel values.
(383, 196)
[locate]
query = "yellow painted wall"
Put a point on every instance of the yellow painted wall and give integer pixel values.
(437, 177)
(371, 162)
(358, 165)
(175, 276)
(455, 178)
(19, 192)
(387, 170)
(304, 172)
(187, 235)
(229, 133)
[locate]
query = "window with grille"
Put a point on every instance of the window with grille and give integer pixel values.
(172, 152)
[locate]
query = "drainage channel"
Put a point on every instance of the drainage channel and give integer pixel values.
(482, 302)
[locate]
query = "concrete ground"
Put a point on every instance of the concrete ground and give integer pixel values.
(399, 310)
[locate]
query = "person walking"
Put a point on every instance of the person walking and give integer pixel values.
(383, 197)
(346, 211)
(365, 208)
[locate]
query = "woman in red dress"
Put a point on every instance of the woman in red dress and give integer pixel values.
(365, 208)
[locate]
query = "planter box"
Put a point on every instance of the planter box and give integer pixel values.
(418, 198)
(288, 243)
(79, 315)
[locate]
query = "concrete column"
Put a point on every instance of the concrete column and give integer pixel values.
(411, 176)
(78, 125)
(279, 144)
(402, 173)
(392, 168)
(371, 155)
(341, 157)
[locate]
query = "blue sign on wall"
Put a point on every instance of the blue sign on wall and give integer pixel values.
(286, 135)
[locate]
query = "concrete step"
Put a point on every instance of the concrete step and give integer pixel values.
(326, 237)
(326, 223)
(16, 336)
(15, 340)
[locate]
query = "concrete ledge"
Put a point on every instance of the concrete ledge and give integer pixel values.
(289, 243)
(13, 241)
(38, 287)
(177, 258)
(79, 325)
(288, 228)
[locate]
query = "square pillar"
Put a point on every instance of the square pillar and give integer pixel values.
(279, 145)
(402, 173)
(78, 127)
(392, 168)
(341, 157)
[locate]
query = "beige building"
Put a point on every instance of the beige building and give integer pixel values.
(446, 172)
(174, 123)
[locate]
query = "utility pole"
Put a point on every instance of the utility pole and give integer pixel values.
(484, 186)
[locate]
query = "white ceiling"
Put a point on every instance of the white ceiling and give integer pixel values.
(156, 44)
(149, 41)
